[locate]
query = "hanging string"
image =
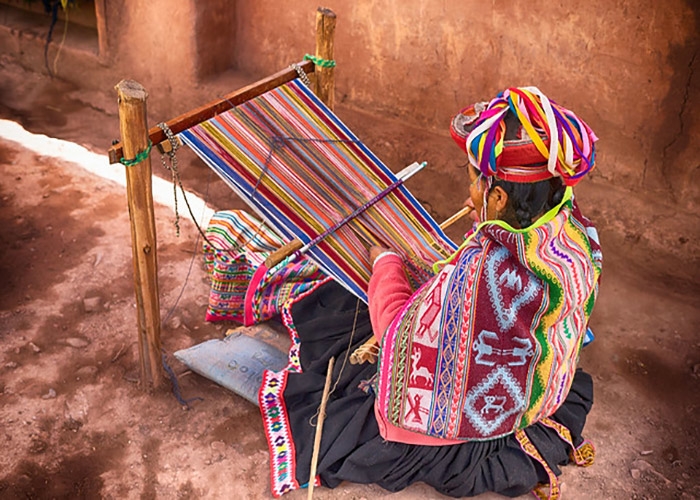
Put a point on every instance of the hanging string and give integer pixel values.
(171, 374)
(172, 167)
(278, 142)
(176, 386)
(63, 41)
(342, 367)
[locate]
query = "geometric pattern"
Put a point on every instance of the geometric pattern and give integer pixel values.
(507, 315)
(487, 412)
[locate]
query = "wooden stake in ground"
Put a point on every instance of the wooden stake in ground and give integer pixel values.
(325, 76)
(319, 428)
(134, 134)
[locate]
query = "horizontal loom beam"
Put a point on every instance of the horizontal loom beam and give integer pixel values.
(203, 113)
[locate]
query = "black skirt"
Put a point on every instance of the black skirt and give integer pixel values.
(329, 323)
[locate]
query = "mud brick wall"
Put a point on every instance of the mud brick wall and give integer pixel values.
(630, 69)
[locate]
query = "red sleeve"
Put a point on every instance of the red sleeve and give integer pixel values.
(389, 290)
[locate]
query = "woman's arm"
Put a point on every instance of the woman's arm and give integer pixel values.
(389, 289)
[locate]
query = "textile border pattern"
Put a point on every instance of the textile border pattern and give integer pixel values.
(274, 412)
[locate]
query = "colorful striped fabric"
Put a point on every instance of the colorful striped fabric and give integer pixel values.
(302, 170)
(242, 289)
(563, 140)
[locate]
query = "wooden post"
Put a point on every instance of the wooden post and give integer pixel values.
(325, 77)
(134, 134)
(101, 16)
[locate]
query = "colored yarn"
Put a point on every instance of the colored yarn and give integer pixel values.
(563, 142)
(302, 170)
(139, 156)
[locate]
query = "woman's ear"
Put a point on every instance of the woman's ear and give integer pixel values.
(499, 198)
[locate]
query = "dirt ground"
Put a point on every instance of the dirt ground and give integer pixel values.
(75, 424)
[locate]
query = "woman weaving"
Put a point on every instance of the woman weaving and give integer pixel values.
(476, 387)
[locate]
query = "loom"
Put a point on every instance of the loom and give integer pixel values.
(284, 152)
(302, 170)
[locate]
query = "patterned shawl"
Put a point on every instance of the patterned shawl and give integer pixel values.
(490, 344)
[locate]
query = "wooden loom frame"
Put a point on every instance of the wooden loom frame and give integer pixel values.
(137, 140)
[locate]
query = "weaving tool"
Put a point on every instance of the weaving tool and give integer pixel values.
(300, 169)
(296, 248)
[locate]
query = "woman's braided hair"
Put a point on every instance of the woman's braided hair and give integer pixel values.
(528, 200)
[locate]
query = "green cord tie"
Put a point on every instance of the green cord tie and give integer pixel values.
(139, 157)
(319, 61)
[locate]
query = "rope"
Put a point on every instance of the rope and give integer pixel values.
(51, 7)
(171, 374)
(63, 41)
(177, 180)
(302, 74)
(175, 174)
(319, 61)
(176, 386)
(139, 156)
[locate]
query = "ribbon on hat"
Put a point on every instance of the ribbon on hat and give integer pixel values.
(556, 139)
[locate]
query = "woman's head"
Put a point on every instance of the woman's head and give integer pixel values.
(518, 204)
(523, 150)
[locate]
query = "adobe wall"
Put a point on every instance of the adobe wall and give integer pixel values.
(630, 69)
(171, 44)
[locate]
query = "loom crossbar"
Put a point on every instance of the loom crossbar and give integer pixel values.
(210, 110)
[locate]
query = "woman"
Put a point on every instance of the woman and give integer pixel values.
(476, 388)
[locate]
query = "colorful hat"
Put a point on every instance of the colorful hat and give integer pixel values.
(550, 140)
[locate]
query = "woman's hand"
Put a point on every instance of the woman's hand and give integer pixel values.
(375, 251)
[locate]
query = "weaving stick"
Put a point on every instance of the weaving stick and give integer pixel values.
(319, 427)
(451, 220)
(368, 351)
(296, 248)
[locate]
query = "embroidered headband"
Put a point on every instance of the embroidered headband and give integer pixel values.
(550, 140)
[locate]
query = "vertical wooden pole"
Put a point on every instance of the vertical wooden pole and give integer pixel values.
(101, 16)
(325, 34)
(134, 138)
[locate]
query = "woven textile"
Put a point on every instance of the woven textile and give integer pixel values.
(490, 345)
(352, 449)
(302, 170)
(242, 288)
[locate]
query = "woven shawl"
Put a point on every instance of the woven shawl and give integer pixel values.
(490, 344)
(302, 170)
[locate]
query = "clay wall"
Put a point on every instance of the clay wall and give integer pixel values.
(630, 69)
